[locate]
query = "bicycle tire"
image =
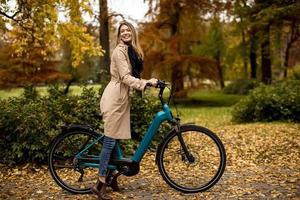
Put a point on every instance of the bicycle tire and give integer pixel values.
(61, 160)
(170, 155)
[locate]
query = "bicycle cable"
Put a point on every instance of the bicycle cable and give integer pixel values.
(172, 89)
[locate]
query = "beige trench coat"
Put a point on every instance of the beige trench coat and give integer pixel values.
(115, 100)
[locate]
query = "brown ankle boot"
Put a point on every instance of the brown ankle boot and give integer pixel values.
(102, 193)
(96, 188)
(114, 185)
(100, 190)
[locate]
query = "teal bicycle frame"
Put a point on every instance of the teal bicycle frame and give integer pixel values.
(160, 117)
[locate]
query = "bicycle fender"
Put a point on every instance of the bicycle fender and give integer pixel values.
(72, 127)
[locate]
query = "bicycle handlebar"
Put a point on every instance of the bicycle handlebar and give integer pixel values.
(161, 84)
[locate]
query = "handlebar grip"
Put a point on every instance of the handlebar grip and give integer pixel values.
(161, 84)
(147, 85)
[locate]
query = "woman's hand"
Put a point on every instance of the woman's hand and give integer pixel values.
(153, 82)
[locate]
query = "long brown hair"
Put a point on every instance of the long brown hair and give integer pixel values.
(135, 41)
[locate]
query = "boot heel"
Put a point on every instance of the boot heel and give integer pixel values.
(102, 193)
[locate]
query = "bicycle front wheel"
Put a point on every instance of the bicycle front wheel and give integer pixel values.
(205, 166)
(69, 172)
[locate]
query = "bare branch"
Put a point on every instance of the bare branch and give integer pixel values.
(116, 15)
(12, 17)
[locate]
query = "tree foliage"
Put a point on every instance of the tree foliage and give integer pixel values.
(263, 24)
(167, 40)
(36, 35)
(214, 46)
(185, 41)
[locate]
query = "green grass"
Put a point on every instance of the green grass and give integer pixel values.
(209, 98)
(205, 116)
(4, 94)
(76, 90)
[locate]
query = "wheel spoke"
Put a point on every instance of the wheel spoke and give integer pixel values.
(66, 169)
(196, 165)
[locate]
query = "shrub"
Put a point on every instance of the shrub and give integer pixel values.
(240, 86)
(28, 123)
(280, 101)
(296, 72)
(142, 113)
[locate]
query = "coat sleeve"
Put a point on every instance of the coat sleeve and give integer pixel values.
(124, 71)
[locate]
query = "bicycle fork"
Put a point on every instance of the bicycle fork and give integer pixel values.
(185, 154)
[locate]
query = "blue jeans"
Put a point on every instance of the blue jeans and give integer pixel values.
(108, 146)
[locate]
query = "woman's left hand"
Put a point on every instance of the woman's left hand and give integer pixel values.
(153, 82)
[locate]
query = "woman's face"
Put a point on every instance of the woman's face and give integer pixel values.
(125, 34)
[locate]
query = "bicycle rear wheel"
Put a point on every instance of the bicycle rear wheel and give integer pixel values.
(69, 172)
(203, 170)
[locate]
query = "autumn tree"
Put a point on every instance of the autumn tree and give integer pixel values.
(240, 12)
(167, 40)
(265, 16)
(269, 29)
(104, 37)
(214, 46)
(36, 36)
(291, 21)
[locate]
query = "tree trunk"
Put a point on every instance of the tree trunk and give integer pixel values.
(69, 83)
(220, 70)
(190, 76)
(177, 74)
(104, 40)
(177, 81)
(265, 57)
(253, 56)
(244, 51)
(286, 59)
(293, 38)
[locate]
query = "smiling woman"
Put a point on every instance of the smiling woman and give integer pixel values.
(125, 68)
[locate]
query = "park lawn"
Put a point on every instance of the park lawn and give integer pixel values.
(4, 94)
(209, 98)
(205, 116)
(42, 90)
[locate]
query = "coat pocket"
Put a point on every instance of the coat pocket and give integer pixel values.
(123, 92)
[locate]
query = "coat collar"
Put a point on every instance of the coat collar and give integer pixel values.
(123, 45)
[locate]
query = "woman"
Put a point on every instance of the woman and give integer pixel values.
(126, 66)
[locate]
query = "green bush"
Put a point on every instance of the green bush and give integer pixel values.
(240, 86)
(296, 72)
(142, 113)
(28, 123)
(280, 101)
